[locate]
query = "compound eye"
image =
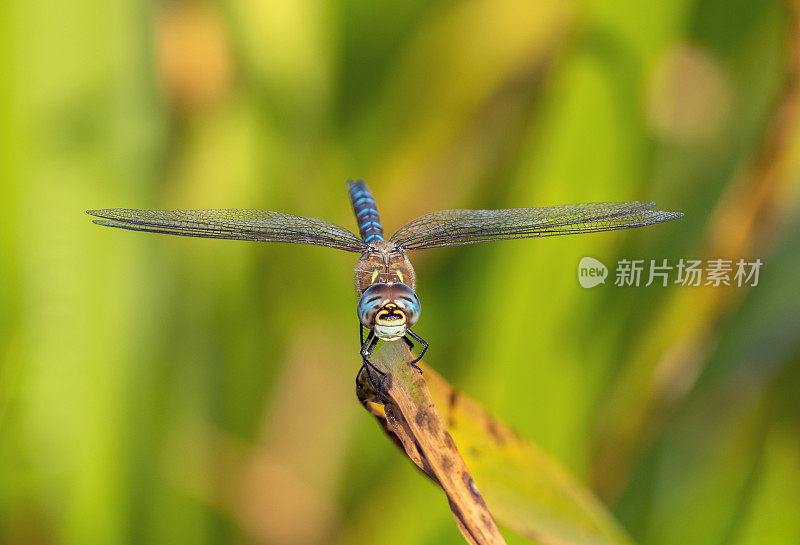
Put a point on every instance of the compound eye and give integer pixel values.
(405, 298)
(371, 301)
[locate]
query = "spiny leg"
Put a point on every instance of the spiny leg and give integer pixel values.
(367, 352)
(365, 365)
(424, 344)
(375, 386)
(367, 346)
(361, 344)
(411, 349)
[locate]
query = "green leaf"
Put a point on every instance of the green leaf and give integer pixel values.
(523, 487)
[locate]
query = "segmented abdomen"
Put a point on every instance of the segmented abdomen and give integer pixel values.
(369, 223)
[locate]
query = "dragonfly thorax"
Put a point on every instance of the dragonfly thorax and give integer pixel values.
(384, 263)
(389, 309)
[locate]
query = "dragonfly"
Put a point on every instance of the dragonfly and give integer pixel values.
(388, 307)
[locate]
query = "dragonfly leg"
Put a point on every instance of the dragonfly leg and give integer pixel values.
(424, 344)
(375, 386)
(409, 343)
(367, 346)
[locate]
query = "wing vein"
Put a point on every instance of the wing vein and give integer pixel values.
(458, 227)
(237, 224)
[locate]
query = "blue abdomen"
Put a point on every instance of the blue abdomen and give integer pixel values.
(369, 223)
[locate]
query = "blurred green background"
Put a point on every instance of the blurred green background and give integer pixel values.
(166, 390)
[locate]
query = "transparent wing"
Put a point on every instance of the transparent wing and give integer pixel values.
(233, 224)
(456, 227)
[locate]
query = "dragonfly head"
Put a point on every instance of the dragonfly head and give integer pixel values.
(389, 310)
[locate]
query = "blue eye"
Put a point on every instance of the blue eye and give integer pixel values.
(370, 303)
(409, 301)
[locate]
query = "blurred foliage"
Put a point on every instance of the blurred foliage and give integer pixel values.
(529, 492)
(166, 390)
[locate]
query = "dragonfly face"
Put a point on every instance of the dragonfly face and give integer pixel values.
(389, 310)
(384, 278)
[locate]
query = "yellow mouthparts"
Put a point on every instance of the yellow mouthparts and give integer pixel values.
(390, 317)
